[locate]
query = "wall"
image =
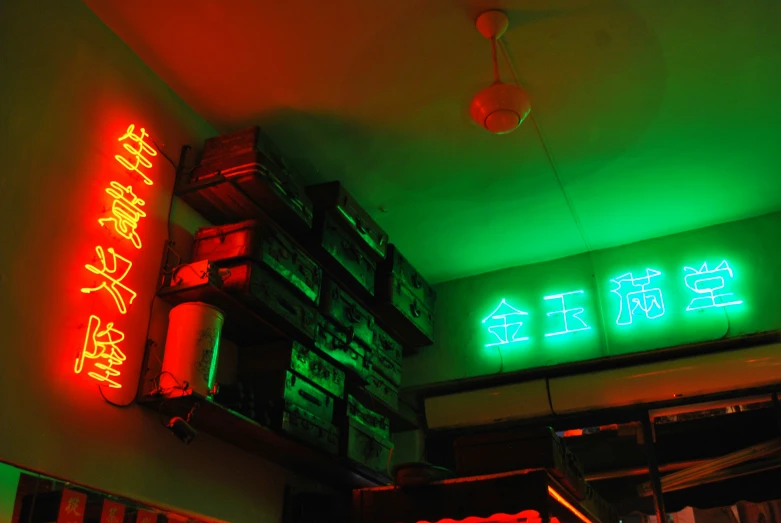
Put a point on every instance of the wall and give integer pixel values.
(750, 247)
(68, 88)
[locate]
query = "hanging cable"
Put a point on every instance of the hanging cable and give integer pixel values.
(495, 60)
(570, 206)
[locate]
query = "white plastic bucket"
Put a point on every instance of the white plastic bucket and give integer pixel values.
(192, 347)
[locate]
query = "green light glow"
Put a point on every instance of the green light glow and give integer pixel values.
(576, 312)
(650, 302)
(502, 328)
(640, 296)
(706, 281)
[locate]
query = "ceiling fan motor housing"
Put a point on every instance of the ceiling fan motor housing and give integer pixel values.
(500, 108)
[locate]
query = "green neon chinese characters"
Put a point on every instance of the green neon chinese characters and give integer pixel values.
(705, 282)
(639, 297)
(505, 324)
(636, 298)
(569, 320)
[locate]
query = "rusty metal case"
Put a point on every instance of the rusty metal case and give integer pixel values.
(271, 299)
(345, 312)
(398, 310)
(386, 356)
(365, 448)
(291, 355)
(235, 143)
(305, 427)
(397, 265)
(265, 244)
(348, 354)
(333, 198)
(273, 390)
(353, 409)
(242, 175)
(386, 368)
(383, 390)
(343, 257)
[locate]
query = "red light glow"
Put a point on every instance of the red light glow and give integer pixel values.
(566, 504)
(113, 285)
(72, 506)
(101, 346)
(527, 516)
(126, 212)
(138, 153)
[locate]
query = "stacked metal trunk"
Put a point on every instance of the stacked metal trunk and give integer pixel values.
(321, 304)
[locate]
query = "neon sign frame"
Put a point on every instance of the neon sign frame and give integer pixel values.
(102, 347)
(636, 298)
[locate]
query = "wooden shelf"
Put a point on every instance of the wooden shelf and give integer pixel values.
(246, 434)
(241, 326)
(246, 327)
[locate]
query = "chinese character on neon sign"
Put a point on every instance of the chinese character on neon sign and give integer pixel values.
(137, 153)
(102, 347)
(636, 299)
(568, 316)
(705, 282)
(504, 323)
(640, 296)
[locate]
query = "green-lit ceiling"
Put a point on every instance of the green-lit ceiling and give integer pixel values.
(661, 116)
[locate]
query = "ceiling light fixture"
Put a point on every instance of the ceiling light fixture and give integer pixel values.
(499, 108)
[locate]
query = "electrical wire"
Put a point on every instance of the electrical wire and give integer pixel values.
(548, 154)
(550, 399)
(567, 200)
(163, 153)
(729, 324)
(493, 58)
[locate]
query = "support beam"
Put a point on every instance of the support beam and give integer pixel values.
(653, 468)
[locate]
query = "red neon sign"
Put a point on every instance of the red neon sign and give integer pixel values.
(137, 153)
(126, 212)
(113, 273)
(527, 516)
(103, 346)
(101, 350)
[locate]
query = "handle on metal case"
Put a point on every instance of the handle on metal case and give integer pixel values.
(416, 312)
(285, 305)
(416, 281)
(352, 250)
(309, 397)
(349, 335)
(352, 314)
(359, 226)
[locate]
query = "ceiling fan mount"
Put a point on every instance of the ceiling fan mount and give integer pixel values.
(499, 108)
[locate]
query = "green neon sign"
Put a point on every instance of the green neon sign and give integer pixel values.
(637, 296)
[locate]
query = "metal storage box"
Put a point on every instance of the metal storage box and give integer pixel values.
(265, 244)
(333, 198)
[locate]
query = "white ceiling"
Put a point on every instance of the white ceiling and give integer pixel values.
(660, 116)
